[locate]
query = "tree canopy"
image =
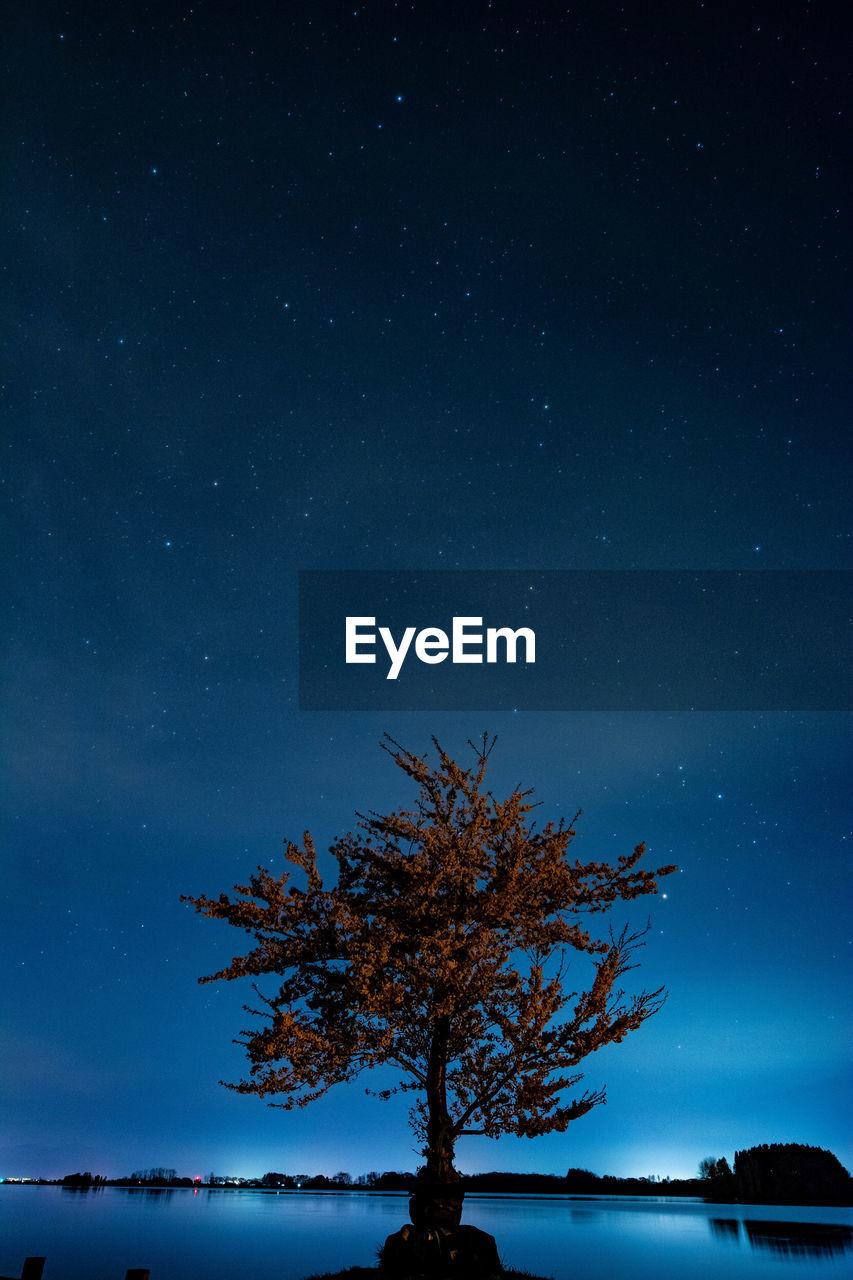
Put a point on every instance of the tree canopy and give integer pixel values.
(790, 1171)
(442, 950)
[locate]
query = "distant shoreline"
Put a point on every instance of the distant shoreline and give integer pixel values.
(663, 1193)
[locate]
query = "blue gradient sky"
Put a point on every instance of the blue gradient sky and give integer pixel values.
(374, 289)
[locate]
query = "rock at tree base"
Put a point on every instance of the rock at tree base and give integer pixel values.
(440, 1253)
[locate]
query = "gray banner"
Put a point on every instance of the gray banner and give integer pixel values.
(637, 640)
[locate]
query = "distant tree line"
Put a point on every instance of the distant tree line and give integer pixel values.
(83, 1180)
(140, 1177)
(777, 1173)
(581, 1182)
(373, 1181)
(711, 1168)
(158, 1174)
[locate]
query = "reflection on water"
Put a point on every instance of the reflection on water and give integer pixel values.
(800, 1239)
(725, 1228)
(583, 1215)
(787, 1239)
(192, 1234)
(156, 1195)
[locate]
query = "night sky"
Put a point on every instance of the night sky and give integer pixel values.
(407, 286)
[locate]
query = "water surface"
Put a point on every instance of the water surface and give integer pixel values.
(255, 1235)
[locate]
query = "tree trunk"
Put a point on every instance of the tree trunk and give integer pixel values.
(437, 1198)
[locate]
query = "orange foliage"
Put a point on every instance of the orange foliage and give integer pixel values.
(442, 950)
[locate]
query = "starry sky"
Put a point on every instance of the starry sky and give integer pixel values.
(407, 286)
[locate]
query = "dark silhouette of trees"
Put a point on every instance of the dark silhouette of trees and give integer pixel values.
(442, 950)
(83, 1180)
(158, 1175)
(712, 1167)
(718, 1178)
(790, 1172)
(778, 1173)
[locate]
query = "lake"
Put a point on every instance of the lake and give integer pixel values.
(257, 1235)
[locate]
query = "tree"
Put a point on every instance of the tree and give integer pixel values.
(443, 951)
(790, 1172)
